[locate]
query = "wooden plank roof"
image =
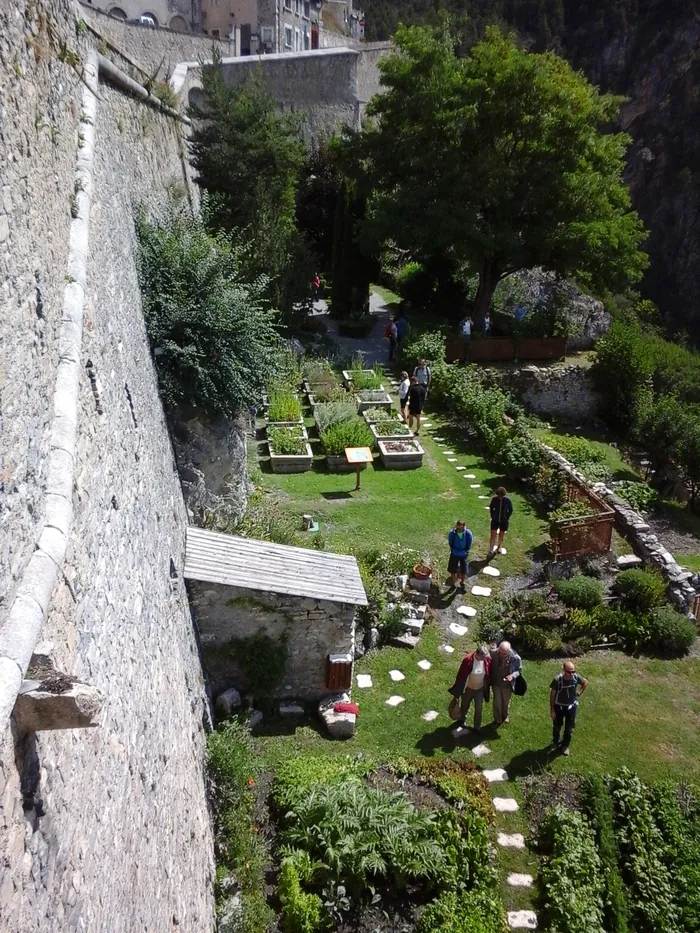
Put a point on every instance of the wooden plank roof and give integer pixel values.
(212, 557)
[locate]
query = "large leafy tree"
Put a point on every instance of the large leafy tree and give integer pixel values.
(498, 161)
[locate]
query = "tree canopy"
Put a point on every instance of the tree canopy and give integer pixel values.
(499, 161)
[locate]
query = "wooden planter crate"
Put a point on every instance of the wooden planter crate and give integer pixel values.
(585, 534)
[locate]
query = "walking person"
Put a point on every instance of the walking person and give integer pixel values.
(402, 326)
(473, 683)
(404, 386)
(487, 324)
(416, 401)
(506, 667)
(465, 330)
(316, 286)
(392, 333)
(501, 509)
(422, 374)
(564, 693)
(460, 540)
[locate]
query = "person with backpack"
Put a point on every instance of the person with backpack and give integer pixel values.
(472, 683)
(422, 374)
(501, 509)
(565, 691)
(402, 325)
(392, 334)
(460, 540)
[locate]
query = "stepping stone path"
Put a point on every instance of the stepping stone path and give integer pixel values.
(424, 665)
(524, 880)
(475, 485)
(482, 497)
(481, 591)
(452, 460)
(491, 571)
(458, 629)
(470, 476)
(448, 649)
(496, 776)
(522, 919)
(468, 611)
(460, 468)
(480, 750)
(397, 676)
(448, 453)
(502, 550)
(364, 681)
(395, 701)
(427, 424)
(511, 841)
(430, 715)
(505, 804)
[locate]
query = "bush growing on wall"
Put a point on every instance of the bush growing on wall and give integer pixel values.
(213, 337)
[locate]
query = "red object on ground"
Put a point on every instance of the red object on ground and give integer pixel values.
(347, 708)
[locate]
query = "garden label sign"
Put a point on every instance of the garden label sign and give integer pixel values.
(358, 456)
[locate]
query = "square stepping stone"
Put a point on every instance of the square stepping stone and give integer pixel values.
(458, 629)
(480, 750)
(491, 571)
(511, 840)
(427, 424)
(448, 649)
(395, 701)
(364, 681)
(397, 676)
(481, 591)
(470, 476)
(629, 560)
(424, 665)
(502, 550)
(522, 919)
(475, 485)
(452, 460)
(460, 468)
(496, 776)
(488, 508)
(407, 640)
(483, 497)
(468, 611)
(430, 715)
(448, 453)
(520, 880)
(505, 804)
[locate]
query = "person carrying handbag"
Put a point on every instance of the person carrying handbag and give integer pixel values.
(473, 683)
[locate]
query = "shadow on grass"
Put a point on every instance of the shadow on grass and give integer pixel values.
(274, 725)
(331, 496)
(531, 761)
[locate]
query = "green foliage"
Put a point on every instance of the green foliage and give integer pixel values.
(573, 509)
(286, 441)
(331, 413)
(344, 434)
(478, 911)
(640, 496)
(298, 775)
(325, 392)
(577, 450)
(640, 590)
(284, 406)
(385, 428)
(376, 415)
(571, 874)
(214, 339)
(598, 807)
(580, 592)
(392, 623)
(301, 912)
(622, 370)
(669, 634)
(414, 284)
(371, 395)
(351, 269)
(521, 139)
(265, 518)
(677, 815)
(262, 660)
(316, 369)
(643, 856)
(458, 781)
(365, 378)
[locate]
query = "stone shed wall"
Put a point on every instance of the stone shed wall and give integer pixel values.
(314, 629)
(104, 829)
(562, 391)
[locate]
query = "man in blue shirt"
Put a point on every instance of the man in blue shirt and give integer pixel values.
(460, 541)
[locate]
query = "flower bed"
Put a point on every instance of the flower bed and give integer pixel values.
(390, 430)
(290, 451)
(401, 454)
(372, 398)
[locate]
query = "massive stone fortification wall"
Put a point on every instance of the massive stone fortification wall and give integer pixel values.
(104, 829)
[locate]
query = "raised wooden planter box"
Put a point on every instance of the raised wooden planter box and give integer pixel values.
(542, 348)
(386, 402)
(401, 460)
(338, 464)
(396, 435)
(292, 463)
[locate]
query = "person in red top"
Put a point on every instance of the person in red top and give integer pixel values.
(472, 683)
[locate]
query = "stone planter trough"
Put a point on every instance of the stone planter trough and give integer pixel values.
(347, 378)
(401, 460)
(292, 463)
(399, 433)
(386, 402)
(338, 464)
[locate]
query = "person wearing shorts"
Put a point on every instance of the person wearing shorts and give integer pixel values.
(416, 400)
(403, 393)
(460, 540)
(501, 509)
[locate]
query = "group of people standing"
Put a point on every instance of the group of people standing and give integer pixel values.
(413, 392)
(460, 538)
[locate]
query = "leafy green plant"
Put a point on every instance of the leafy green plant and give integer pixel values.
(372, 395)
(376, 415)
(577, 450)
(328, 392)
(286, 441)
(571, 876)
(298, 775)
(262, 659)
(580, 592)
(365, 378)
(640, 496)
(477, 911)
(677, 814)
(391, 624)
(346, 434)
(330, 413)
(640, 590)
(387, 428)
(317, 369)
(458, 781)
(669, 634)
(598, 807)
(301, 912)
(573, 509)
(284, 406)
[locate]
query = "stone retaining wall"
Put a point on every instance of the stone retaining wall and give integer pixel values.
(314, 629)
(552, 391)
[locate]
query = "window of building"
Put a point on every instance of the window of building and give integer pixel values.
(297, 40)
(297, 7)
(288, 5)
(307, 9)
(215, 34)
(287, 36)
(307, 38)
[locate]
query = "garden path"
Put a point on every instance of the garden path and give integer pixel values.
(373, 348)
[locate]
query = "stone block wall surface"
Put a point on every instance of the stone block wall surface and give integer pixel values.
(102, 829)
(562, 391)
(314, 629)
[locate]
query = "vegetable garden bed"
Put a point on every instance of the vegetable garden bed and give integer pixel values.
(294, 453)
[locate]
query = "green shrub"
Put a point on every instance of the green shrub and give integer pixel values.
(414, 284)
(346, 434)
(669, 633)
(317, 369)
(677, 813)
(328, 392)
(640, 496)
(252, 915)
(365, 378)
(392, 624)
(375, 415)
(296, 776)
(284, 406)
(643, 856)
(332, 413)
(577, 450)
(580, 592)
(571, 876)
(537, 641)
(598, 807)
(286, 440)
(574, 508)
(640, 590)
(479, 911)
(386, 428)
(262, 659)
(301, 912)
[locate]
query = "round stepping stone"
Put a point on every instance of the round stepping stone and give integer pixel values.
(448, 649)
(520, 881)
(522, 919)
(430, 715)
(364, 681)
(458, 629)
(511, 840)
(496, 776)
(452, 460)
(475, 485)
(481, 590)
(460, 468)
(468, 611)
(394, 701)
(480, 750)
(505, 804)
(491, 571)
(424, 665)
(502, 550)
(397, 676)
(448, 453)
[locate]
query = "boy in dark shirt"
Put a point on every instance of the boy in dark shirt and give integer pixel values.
(501, 509)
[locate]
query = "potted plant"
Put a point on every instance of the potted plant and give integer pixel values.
(421, 572)
(290, 451)
(329, 413)
(344, 434)
(374, 415)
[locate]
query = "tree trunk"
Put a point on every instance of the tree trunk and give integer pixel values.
(488, 280)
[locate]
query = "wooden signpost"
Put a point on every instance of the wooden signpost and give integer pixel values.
(358, 456)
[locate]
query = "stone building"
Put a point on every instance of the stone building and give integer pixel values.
(303, 600)
(180, 15)
(265, 26)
